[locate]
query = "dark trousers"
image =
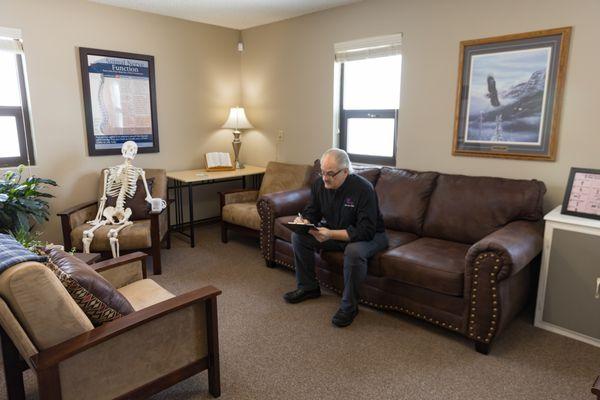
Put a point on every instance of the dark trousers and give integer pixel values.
(356, 259)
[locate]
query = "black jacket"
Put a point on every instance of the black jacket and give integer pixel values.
(353, 207)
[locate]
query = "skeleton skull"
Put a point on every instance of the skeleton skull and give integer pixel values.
(129, 150)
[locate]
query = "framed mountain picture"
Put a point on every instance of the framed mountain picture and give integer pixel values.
(509, 95)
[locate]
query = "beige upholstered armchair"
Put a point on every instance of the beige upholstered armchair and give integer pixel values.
(145, 234)
(238, 207)
(164, 340)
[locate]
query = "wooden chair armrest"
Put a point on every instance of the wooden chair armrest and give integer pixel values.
(52, 356)
(117, 262)
(76, 208)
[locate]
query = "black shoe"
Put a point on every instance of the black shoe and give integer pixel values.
(344, 318)
(299, 295)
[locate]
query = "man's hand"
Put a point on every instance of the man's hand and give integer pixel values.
(300, 220)
(321, 234)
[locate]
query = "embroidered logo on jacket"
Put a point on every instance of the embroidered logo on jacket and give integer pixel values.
(348, 202)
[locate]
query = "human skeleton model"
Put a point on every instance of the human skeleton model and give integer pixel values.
(119, 181)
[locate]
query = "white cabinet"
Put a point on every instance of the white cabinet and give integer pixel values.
(568, 301)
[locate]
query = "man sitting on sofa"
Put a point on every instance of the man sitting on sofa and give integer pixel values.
(346, 208)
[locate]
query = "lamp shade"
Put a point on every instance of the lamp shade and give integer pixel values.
(237, 119)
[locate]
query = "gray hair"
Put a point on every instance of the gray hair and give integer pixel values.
(340, 156)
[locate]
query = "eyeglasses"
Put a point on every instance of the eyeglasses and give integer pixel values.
(330, 174)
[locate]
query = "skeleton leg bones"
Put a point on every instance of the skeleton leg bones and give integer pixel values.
(88, 235)
(113, 237)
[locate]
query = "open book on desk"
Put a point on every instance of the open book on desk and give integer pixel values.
(216, 161)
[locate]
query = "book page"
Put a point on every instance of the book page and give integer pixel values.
(217, 159)
(212, 160)
(224, 160)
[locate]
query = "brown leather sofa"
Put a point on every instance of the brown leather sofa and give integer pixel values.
(462, 248)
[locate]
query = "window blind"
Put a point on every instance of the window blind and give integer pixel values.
(379, 46)
(10, 40)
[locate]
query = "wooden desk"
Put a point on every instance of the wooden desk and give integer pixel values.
(195, 177)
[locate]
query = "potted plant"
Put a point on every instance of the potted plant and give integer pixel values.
(23, 203)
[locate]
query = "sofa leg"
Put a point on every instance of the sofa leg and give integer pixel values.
(224, 237)
(13, 372)
(483, 348)
(168, 239)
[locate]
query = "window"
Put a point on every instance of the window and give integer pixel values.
(369, 98)
(15, 130)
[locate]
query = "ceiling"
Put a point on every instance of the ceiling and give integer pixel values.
(236, 14)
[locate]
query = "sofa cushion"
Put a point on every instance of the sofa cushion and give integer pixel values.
(369, 173)
(281, 176)
(98, 299)
(133, 237)
(468, 208)
(244, 214)
(144, 293)
(404, 197)
(42, 305)
(335, 259)
(433, 264)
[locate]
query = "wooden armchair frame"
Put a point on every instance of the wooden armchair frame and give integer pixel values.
(156, 241)
(45, 364)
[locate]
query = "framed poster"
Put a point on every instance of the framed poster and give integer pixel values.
(582, 196)
(119, 96)
(509, 95)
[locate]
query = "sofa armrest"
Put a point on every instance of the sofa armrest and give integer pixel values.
(273, 205)
(515, 245)
(286, 203)
(123, 270)
(154, 343)
(493, 286)
(75, 216)
(237, 196)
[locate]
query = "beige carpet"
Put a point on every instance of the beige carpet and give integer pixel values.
(273, 350)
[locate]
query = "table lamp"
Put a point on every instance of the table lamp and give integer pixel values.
(237, 120)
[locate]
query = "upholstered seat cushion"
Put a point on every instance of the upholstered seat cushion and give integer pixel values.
(433, 264)
(144, 293)
(335, 259)
(244, 214)
(133, 237)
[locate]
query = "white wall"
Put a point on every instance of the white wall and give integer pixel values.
(287, 79)
(197, 80)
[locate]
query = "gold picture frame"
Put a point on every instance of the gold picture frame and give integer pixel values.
(509, 95)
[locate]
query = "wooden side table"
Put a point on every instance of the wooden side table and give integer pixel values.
(88, 258)
(568, 301)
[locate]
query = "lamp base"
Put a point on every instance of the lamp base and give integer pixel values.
(237, 144)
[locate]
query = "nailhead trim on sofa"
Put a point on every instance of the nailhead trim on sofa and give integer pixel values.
(487, 337)
(384, 306)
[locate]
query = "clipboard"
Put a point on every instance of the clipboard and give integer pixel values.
(300, 228)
